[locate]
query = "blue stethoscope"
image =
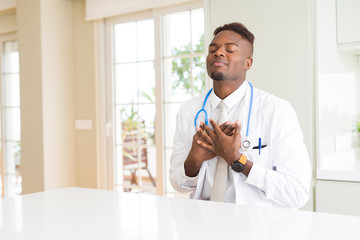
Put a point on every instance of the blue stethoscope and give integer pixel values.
(246, 143)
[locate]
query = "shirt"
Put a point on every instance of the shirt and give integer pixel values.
(281, 171)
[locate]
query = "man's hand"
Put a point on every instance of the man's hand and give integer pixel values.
(199, 154)
(219, 143)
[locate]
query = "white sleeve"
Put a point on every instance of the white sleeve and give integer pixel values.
(289, 184)
(182, 146)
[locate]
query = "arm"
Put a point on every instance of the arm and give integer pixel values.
(187, 156)
(289, 185)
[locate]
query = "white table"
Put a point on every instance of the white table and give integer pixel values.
(77, 213)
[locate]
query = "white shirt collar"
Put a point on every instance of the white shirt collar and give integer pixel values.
(230, 100)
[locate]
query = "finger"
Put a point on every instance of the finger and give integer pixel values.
(204, 145)
(228, 130)
(237, 128)
(205, 136)
(224, 125)
(231, 133)
(206, 128)
(216, 128)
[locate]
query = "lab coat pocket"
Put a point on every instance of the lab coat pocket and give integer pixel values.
(261, 157)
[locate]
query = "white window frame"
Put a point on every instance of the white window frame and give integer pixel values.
(108, 167)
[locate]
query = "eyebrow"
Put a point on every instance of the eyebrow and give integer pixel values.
(214, 44)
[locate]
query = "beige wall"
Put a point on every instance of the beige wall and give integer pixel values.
(47, 94)
(7, 21)
(85, 96)
(57, 67)
(58, 93)
(283, 55)
(32, 145)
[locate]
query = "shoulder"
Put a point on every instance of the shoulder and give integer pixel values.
(193, 104)
(270, 103)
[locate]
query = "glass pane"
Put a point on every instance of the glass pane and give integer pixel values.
(119, 165)
(130, 155)
(146, 73)
(10, 185)
(145, 40)
(125, 42)
(171, 110)
(147, 114)
(12, 124)
(148, 169)
(126, 84)
(11, 110)
(177, 79)
(12, 156)
(10, 58)
(198, 74)
(176, 33)
(139, 168)
(127, 123)
(197, 27)
(11, 89)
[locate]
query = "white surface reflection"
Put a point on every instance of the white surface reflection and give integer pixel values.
(77, 213)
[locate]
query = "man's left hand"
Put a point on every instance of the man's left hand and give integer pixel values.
(226, 147)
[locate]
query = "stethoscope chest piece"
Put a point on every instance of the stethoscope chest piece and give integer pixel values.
(246, 144)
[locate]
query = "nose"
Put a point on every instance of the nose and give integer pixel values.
(219, 52)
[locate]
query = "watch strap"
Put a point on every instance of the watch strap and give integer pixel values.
(242, 159)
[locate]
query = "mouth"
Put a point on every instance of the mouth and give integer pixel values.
(219, 63)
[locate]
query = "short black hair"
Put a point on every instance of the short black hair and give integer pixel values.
(238, 28)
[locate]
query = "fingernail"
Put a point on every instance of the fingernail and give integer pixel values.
(198, 141)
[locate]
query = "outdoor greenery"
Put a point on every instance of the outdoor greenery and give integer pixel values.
(181, 78)
(182, 70)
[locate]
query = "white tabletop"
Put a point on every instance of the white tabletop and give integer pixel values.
(77, 213)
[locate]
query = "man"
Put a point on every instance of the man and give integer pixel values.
(257, 156)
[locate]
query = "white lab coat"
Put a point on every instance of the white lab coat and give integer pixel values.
(280, 175)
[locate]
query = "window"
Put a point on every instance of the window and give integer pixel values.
(134, 105)
(148, 81)
(11, 182)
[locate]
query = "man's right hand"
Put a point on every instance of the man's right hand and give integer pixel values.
(197, 154)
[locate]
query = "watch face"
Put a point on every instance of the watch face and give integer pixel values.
(237, 167)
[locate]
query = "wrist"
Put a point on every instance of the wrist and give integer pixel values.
(235, 158)
(239, 165)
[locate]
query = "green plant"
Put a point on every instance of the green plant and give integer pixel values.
(358, 126)
(182, 70)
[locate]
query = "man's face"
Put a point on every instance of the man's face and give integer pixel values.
(229, 56)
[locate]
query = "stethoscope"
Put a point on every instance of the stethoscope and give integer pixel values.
(246, 143)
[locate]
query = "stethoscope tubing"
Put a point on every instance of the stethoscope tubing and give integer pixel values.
(203, 109)
(206, 114)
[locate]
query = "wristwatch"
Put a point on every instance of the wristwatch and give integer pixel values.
(238, 166)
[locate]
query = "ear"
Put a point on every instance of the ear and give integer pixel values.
(248, 64)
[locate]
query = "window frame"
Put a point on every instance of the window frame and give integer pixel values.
(156, 15)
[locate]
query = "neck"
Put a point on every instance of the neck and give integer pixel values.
(224, 88)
